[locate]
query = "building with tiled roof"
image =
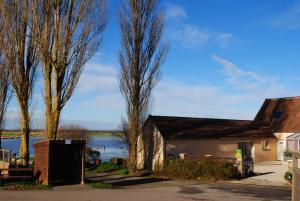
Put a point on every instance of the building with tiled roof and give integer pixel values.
(266, 138)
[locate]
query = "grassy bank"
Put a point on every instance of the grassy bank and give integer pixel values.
(13, 134)
(106, 133)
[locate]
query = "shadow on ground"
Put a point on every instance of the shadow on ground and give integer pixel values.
(261, 192)
(259, 174)
(122, 180)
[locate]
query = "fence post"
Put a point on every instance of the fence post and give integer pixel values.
(296, 177)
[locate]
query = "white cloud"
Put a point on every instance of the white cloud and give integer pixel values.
(287, 19)
(250, 81)
(224, 39)
(181, 97)
(175, 11)
(191, 36)
(178, 98)
(98, 78)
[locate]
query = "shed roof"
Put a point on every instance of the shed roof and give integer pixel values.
(194, 128)
(282, 114)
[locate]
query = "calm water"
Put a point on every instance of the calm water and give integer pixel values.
(109, 146)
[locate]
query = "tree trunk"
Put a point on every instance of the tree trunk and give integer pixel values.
(132, 165)
(25, 128)
(52, 121)
(134, 133)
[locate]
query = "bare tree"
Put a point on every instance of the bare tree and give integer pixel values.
(68, 34)
(5, 94)
(72, 131)
(19, 53)
(140, 57)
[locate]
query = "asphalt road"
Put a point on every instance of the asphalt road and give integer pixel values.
(204, 192)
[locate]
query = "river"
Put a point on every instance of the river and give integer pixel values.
(109, 146)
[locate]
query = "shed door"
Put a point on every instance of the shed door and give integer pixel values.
(280, 150)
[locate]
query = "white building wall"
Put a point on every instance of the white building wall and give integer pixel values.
(281, 144)
(140, 153)
(158, 151)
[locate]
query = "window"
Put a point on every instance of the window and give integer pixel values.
(277, 114)
(265, 145)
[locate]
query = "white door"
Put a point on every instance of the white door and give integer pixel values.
(280, 150)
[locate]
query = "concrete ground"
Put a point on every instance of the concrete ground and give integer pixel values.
(203, 192)
(268, 173)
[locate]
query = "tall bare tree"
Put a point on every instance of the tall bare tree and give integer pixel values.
(140, 57)
(5, 94)
(68, 34)
(19, 53)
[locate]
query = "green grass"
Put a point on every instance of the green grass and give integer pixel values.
(107, 167)
(30, 186)
(123, 171)
(101, 185)
(18, 134)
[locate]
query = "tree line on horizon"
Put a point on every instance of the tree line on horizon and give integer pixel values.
(59, 37)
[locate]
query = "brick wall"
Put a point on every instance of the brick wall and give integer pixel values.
(41, 162)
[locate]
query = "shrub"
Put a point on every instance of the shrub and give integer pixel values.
(72, 132)
(288, 154)
(107, 167)
(205, 169)
(288, 176)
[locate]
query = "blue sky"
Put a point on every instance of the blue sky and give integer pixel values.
(225, 58)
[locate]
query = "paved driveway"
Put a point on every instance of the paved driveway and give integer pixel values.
(268, 173)
(205, 192)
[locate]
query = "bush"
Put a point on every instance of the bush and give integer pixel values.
(73, 132)
(288, 154)
(288, 176)
(107, 167)
(206, 169)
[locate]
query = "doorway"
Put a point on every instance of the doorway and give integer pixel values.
(280, 150)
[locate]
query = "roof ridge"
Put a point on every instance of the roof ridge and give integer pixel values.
(204, 118)
(287, 97)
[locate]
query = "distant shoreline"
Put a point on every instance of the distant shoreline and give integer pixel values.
(16, 134)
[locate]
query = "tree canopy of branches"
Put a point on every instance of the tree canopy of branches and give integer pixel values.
(19, 55)
(5, 94)
(67, 33)
(141, 55)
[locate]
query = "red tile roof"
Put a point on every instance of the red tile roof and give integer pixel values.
(282, 114)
